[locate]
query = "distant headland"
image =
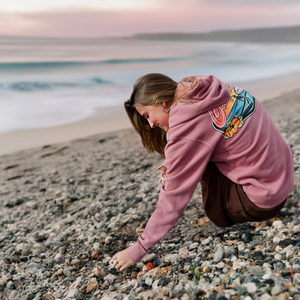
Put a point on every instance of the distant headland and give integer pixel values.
(260, 35)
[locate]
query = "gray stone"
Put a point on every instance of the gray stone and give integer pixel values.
(193, 246)
(228, 251)
(108, 240)
(13, 295)
(265, 296)
(282, 296)
(72, 293)
(206, 241)
(255, 270)
(32, 268)
(251, 287)
(149, 281)
(218, 256)
(296, 279)
(233, 275)
(68, 271)
(10, 285)
(58, 257)
(275, 290)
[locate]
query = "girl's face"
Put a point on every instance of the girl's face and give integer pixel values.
(155, 115)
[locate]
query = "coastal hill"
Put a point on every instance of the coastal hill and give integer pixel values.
(260, 35)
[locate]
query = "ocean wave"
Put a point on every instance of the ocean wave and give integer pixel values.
(29, 86)
(62, 64)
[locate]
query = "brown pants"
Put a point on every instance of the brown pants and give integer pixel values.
(225, 203)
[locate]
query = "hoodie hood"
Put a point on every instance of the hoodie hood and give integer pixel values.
(200, 94)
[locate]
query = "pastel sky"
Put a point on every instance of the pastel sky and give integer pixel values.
(99, 18)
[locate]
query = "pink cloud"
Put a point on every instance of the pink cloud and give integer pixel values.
(194, 16)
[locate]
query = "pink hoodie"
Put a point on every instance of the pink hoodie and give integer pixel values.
(226, 125)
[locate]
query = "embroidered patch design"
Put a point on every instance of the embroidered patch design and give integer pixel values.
(231, 116)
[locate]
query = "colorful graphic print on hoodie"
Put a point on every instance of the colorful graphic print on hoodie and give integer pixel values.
(229, 117)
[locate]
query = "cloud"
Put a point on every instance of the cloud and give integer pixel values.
(194, 16)
(15, 6)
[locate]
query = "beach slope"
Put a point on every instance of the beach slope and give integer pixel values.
(66, 208)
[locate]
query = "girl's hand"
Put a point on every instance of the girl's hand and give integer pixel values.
(122, 260)
(163, 173)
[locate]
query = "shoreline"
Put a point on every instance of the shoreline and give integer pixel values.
(105, 120)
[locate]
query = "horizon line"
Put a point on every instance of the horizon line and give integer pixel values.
(151, 33)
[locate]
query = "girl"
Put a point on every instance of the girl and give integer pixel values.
(214, 133)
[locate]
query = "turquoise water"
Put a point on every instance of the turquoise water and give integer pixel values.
(46, 82)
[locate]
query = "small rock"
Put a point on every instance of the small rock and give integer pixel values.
(218, 256)
(10, 285)
(266, 276)
(282, 296)
(62, 250)
(111, 288)
(277, 256)
(68, 271)
(108, 240)
(275, 290)
(251, 287)
(110, 277)
(276, 240)
(193, 246)
(206, 269)
(206, 241)
(58, 257)
(255, 270)
(286, 242)
(91, 286)
(149, 281)
(277, 223)
(72, 293)
(296, 279)
(96, 246)
(265, 296)
(228, 251)
(13, 295)
(95, 254)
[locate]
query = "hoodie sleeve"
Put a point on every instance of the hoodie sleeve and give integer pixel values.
(188, 160)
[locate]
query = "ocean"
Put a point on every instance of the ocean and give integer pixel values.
(46, 82)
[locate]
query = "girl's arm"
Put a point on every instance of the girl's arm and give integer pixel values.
(184, 173)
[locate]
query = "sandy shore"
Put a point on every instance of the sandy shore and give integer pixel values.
(114, 118)
(103, 120)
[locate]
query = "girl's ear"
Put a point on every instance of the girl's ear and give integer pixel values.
(164, 104)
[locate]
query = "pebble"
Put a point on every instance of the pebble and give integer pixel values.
(68, 271)
(58, 257)
(251, 287)
(266, 276)
(296, 279)
(218, 256)
(95, 254)
(206, 269)
(108, 240)
(275, 290)
(149, 281)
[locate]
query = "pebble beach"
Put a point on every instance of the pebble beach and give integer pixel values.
(67, 208)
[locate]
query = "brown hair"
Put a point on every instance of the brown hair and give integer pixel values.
(149, 90)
